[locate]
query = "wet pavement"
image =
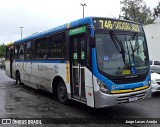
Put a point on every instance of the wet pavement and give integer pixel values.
(22, 102)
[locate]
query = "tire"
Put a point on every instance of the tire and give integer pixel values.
(62, 93)
(18, 78)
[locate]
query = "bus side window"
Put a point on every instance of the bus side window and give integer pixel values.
(28, 50)
(21, 51)
(57, 46)
(41, 48)
(16, 51)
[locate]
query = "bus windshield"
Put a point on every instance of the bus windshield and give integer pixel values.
(120, 54)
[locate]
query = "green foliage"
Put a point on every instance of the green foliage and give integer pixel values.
(2, 51)
(157, 10)
(136, 10)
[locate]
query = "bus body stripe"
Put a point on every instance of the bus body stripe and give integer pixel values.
(41, 61)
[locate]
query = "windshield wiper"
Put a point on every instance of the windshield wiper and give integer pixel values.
(118, 44)
(136, 47)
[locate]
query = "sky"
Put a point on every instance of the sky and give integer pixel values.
(40, 15)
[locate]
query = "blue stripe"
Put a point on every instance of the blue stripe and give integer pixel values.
(41, 61)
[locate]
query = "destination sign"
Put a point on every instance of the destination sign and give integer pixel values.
(110, 24)
(78, 30)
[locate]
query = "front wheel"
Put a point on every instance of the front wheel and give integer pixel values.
(62, 93)
(18, 78)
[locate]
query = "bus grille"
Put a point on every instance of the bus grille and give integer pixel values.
(128, 80)
(125, 99)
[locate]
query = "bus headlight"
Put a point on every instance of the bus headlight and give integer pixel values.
(103, 88)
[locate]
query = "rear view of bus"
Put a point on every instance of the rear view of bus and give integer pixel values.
(120, 62)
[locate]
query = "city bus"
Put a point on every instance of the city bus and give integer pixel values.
(100, 62)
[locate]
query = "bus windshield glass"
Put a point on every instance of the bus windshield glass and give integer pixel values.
(123, 53)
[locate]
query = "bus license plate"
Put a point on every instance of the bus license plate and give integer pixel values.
(133, 99)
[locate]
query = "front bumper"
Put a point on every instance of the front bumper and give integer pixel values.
(106, 100)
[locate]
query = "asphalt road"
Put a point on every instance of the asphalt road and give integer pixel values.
(22, 102)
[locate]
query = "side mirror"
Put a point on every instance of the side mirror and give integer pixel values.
(91, 42)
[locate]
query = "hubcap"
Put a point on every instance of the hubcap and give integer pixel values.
(62, 93)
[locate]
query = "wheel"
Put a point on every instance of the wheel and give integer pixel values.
(18, 78)
(62, 93)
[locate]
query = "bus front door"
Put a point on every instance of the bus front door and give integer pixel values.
(77, 47)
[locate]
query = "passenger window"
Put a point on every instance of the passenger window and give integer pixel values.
(21, 51)
(16, 51)
(29, 50)
(57, 46)
(41, 48)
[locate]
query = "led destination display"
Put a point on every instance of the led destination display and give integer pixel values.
(111, 24)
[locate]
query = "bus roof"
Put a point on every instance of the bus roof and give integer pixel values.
(83, 21)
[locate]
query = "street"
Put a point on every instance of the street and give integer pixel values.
(24, 102)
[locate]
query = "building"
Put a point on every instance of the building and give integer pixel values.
(153, 39)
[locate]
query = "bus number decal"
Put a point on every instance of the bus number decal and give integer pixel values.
(117, 25)
(106, 24)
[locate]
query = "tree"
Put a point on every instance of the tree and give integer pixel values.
(157, 10)
(136, 10)
(2, 51)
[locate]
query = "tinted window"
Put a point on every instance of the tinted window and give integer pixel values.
(21, 51)
(41, 48)
(16, 52)
(156, 63)
(29, 50)
(56, 46)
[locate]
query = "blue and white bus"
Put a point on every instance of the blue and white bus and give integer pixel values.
(97, 61)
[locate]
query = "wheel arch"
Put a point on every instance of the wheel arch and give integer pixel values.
(55, 82)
